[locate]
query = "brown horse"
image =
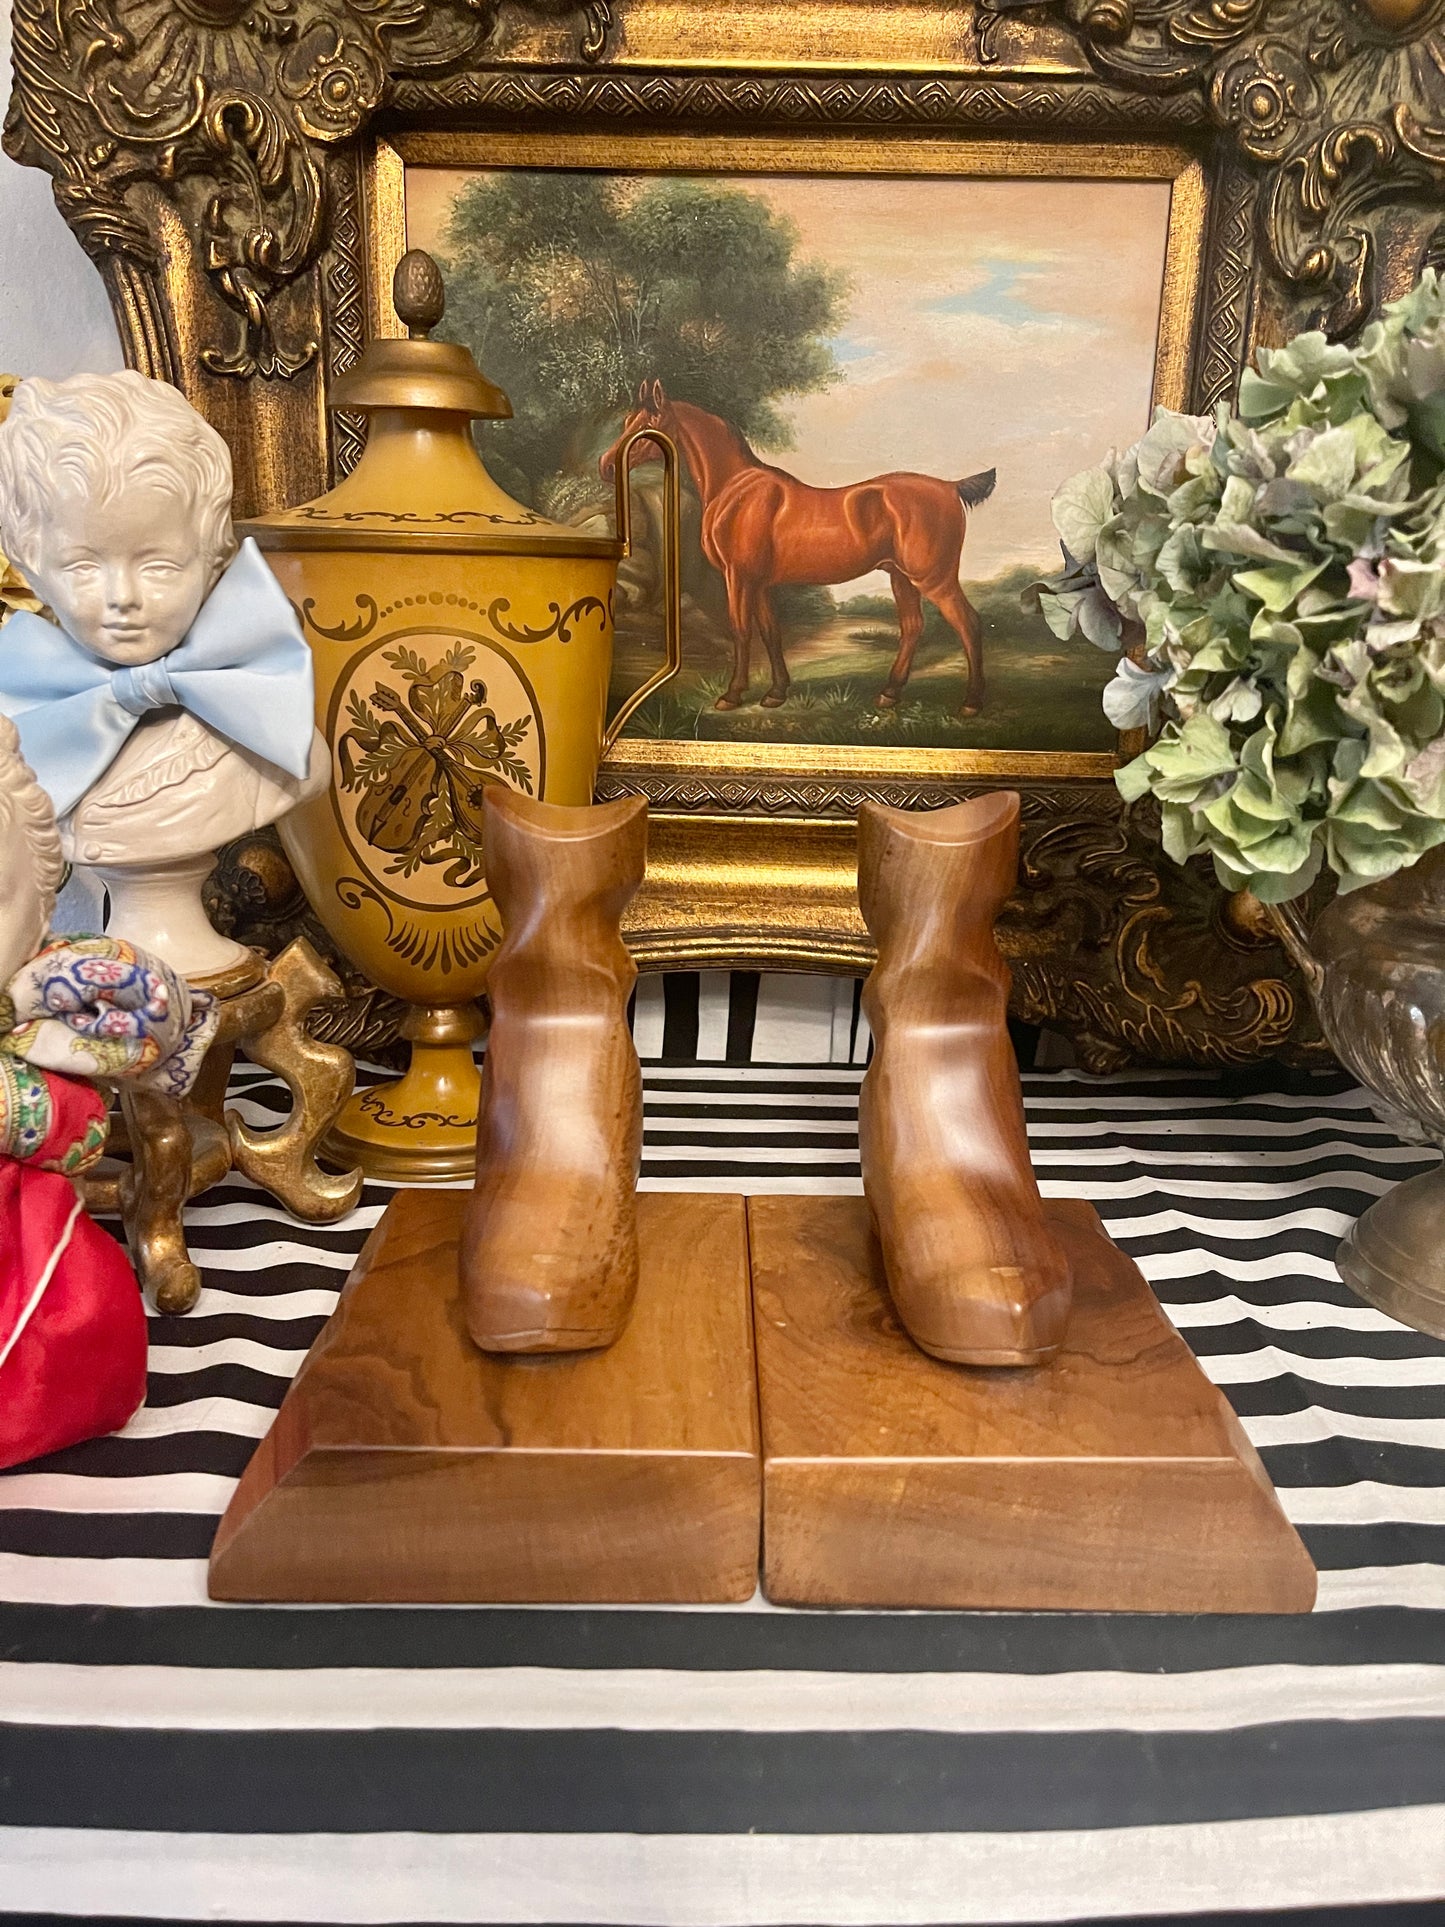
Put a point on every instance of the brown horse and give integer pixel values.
(762, 527)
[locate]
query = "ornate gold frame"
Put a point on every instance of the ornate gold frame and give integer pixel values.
(225, 165)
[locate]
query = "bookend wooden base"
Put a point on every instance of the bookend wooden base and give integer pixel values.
(1114, 1479)
(407, 1465)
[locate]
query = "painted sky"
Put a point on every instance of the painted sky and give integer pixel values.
(991, 324)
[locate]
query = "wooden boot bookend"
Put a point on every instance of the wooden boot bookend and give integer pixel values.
(549, 1242)
(1113, 1477)
(621, 1466)
(975, 1272)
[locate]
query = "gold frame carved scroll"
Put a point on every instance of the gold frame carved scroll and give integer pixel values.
(236, 173)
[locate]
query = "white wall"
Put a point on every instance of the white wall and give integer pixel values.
(54, 316)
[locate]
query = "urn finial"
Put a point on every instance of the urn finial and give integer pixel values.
(418, 293)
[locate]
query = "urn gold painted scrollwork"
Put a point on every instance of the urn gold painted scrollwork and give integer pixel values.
(461, 642)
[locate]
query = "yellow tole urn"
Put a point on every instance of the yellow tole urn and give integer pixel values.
(460, 640)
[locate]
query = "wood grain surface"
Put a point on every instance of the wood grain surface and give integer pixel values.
(549, 1243)
(1113, 1479)
(407, 1465)
(975, 1272)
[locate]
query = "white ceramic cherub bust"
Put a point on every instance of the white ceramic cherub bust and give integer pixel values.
(31, 862)
(171, 711)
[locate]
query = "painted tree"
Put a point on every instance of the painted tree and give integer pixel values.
(571, 288)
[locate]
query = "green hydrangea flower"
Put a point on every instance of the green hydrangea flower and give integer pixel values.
(1273, 579)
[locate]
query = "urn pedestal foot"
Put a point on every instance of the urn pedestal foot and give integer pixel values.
(422, 1127)
(1394, 1256)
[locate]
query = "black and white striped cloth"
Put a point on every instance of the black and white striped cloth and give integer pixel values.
(165, 1758)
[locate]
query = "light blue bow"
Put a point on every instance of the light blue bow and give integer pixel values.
(241, 668)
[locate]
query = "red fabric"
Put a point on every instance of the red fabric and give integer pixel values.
(79, 1115)
(78, 1368)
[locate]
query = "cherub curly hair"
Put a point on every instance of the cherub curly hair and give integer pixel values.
(100, 434)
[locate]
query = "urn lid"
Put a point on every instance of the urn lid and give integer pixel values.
(417, 372)
(420, 484)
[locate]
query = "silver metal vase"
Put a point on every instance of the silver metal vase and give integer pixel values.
(1375, 963)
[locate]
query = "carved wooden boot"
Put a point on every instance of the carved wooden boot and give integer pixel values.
(549, 1245)
(975, 1274)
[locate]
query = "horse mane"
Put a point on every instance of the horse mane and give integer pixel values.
(734, 433)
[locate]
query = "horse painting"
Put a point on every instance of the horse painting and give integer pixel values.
(762, 528)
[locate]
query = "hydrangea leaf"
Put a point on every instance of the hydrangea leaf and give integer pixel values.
(1240, 702)
(1134, 779)
(1060, 611)
(1099, 621)
(1328, 464)
(1424, 778)
(1311, 717)
(1181, 835)
(1278, 587)
(1181, 561)
(1161, 457)
(1410, 588)
(1238, 538)
(1081, 508)
(1114, 559)
(1131, 700)
(1272, 887)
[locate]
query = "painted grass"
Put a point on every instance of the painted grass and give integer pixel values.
(1040, 693)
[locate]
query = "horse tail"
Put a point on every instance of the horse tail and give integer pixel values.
(974, 490)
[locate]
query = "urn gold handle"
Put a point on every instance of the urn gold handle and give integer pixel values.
(671, 565)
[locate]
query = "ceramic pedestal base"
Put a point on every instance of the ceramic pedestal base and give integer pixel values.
(178, 1149)
(160, 910)
(1114, 1479)
(422, 1127)
(407, 1465)
(1394, 1256)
